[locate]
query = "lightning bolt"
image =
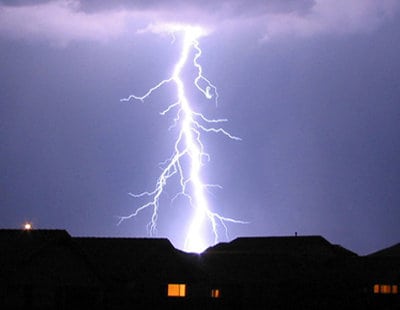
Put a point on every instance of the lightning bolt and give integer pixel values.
(187, 145)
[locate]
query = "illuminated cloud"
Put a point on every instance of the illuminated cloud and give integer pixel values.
(331, 16)
(63, 21)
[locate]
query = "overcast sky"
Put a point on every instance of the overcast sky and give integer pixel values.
(311, 86)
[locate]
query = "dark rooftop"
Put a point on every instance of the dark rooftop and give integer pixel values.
(18, 244)
(129, 258)
(393, 251)
(298, 246)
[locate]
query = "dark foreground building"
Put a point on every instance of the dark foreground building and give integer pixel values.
(49, 269)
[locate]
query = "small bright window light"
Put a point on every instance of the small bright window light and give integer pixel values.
(215, 293)
(386, 289)
(27, 226)
(176, 290)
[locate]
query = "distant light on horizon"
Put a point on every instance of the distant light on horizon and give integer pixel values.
(28, 226)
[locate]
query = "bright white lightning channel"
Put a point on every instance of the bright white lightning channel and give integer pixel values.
(187, 145)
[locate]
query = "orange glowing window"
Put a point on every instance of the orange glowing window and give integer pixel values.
(215, 293)
(176, 290)
(386, 289)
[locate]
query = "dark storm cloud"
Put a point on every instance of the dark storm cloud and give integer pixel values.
(229, 9)
(232, 7)
(59, 22)
(22, 2)
(63, 21)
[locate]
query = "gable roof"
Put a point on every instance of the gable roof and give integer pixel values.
(293, 246)
(263, 259)
(44, 256)
(109, 259)
(17, 244)
(132, 259)
(392, 251)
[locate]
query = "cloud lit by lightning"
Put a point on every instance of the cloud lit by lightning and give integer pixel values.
(188, 145)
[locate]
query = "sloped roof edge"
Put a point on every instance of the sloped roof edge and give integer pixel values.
(391, 251)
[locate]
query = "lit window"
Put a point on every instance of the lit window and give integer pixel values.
(215, 293)
(176, 290)
(386, 289)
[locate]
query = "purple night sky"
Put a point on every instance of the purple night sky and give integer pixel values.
(311, 86)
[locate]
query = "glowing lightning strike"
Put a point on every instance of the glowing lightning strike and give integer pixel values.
(187, 145)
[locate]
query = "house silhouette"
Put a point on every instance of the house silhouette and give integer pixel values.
(49, 269)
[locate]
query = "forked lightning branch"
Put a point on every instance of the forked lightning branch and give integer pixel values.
(188, 146)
